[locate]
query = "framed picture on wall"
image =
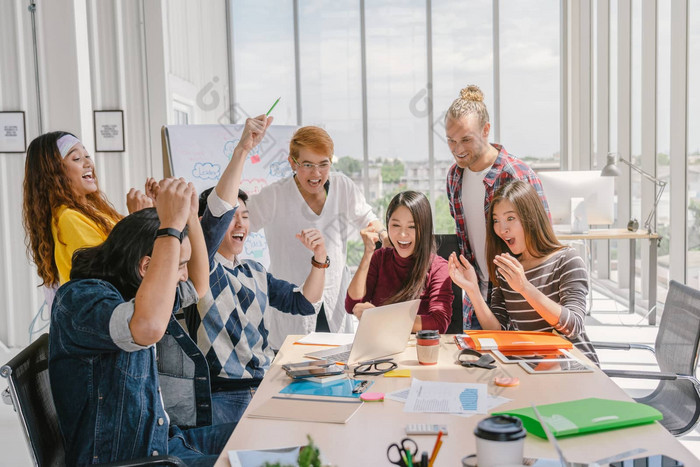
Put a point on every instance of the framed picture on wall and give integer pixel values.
(109, 130)
(13, 137)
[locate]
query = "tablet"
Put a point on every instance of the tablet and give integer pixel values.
(533, 355)
(560, 366)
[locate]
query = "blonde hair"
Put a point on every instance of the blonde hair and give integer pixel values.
(469, 102)
(311, 137)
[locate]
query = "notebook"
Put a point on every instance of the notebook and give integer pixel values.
(383, 331)
(584, 416)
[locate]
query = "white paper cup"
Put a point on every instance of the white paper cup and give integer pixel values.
(499, 441)
(427, 347)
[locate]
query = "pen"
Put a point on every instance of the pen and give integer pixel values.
(436, 448)
(360, 388)
(273, 106)
(435, 454)
(409, 459)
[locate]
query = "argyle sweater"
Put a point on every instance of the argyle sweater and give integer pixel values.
(231, 329)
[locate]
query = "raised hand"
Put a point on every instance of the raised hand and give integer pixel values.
(254, 132)
(173, 202)
(463, 274)
(313, 240)
(194, 204)
(370, 237)
(151, 188)
(512, 271)
(137, 200)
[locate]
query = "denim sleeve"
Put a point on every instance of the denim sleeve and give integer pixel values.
(215, 221)
(287, 297)
(90, 317)
(187, 294)
(119, 327)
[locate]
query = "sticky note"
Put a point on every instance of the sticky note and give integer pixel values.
(398, 374)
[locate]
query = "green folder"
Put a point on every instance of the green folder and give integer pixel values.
(584, 416)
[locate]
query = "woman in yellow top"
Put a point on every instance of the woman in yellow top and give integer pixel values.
(64, 209)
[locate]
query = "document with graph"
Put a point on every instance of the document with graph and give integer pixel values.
(455, 398)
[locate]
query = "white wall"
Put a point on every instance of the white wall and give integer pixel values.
(136, 56)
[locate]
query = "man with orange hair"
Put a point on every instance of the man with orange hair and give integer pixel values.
(314, 197)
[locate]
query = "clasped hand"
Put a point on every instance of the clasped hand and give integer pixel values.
(464, 275)
(313, 240)
(176, 202)
(510, 269)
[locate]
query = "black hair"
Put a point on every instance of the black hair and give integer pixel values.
(205, 194)
(117, 259)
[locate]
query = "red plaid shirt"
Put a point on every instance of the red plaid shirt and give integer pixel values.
(505, 168)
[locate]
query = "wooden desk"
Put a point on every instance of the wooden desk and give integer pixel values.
(366, 436)
(624, 234)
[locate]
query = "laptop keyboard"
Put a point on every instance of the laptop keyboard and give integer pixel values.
(332, 355)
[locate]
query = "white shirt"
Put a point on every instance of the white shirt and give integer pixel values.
(473, 194)
(281, 210)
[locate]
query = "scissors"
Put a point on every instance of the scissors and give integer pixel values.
(397, 454)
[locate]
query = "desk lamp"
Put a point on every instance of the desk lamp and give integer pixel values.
(611, 170)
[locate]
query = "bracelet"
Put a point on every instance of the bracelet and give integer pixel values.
(323, 265)
(170, 232)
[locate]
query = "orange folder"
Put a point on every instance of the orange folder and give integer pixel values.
(513, 340)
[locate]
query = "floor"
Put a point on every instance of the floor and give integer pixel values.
(609, 321)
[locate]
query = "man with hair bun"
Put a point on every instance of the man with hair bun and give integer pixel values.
(479, 169)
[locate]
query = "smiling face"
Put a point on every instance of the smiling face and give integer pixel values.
(232, 244)
(507, 226)
(80, 170)
(402, 231)
(312, 170)
(468, 141)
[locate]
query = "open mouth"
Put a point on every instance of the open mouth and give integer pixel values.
(314, 183)
(460, 156)
(404, 245)
(509, 241)
(238, 236)
(88, 176)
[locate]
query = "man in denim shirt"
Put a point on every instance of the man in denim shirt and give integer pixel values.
(104, 324)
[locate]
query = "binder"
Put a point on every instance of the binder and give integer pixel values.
(585, 416)
(512, 340)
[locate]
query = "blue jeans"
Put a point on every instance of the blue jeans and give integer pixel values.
(199, 447)
(228, 406)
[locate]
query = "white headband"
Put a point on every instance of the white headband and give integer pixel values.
(65, 143)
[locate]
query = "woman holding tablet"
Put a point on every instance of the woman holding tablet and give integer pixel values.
(407, 270)
(539, 284)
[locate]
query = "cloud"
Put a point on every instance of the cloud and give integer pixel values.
(206, 171)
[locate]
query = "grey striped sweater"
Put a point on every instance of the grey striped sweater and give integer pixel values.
(563, 278)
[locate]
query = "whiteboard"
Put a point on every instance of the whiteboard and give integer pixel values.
(200, 153)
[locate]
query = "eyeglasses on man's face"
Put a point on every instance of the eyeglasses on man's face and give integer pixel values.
(308, 166)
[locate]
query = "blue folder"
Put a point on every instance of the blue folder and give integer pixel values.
(340, 388)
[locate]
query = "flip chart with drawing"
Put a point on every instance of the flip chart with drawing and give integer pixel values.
(200, 153)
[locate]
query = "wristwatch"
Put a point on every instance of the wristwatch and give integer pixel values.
(323, 265)
(170, 232)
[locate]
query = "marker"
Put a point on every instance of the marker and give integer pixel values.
(273, 106)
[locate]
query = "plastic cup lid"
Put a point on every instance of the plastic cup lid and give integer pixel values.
(500, 428)
(427, 334)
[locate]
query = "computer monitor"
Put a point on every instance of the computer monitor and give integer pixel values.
(598, 194)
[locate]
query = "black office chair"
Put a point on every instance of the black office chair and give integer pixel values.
(30, 392)
(677, 395)
(446, 244)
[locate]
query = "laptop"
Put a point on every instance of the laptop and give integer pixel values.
(383, 331)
